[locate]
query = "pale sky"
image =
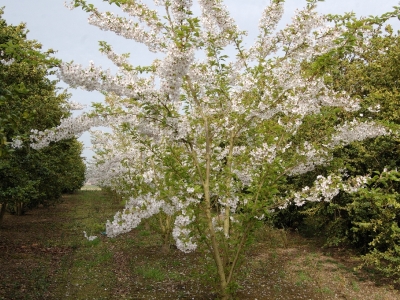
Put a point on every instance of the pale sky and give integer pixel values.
(69, 33)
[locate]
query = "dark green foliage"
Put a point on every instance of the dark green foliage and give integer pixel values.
(376, 217)
(29, 99)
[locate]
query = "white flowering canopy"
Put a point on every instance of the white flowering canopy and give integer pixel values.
(198, 129)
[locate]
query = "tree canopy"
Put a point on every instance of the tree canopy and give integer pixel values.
(30, 99)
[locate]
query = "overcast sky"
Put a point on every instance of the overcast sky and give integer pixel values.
(68, 32)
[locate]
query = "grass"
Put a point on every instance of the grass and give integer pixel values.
(44, 255)
(152, 273)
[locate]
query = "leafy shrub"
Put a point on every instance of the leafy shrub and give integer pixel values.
(367, 221)
(375, 214)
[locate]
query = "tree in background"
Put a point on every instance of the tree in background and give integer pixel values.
(29, 99)
(369, 219)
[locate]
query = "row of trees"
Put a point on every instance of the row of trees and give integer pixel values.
(29, 99)
(368, 220)
(215, 145)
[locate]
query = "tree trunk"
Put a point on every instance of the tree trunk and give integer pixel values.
(18, 208)
(165, 248)
(216, 251)
(3, 207)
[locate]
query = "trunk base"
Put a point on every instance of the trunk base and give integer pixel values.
(3, 207)
(165, 248)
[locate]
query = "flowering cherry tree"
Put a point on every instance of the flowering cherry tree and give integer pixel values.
(203, 138)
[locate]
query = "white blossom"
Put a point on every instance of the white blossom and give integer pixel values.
(89, 238)
(17, 143)
(7, 62)
(182, 235)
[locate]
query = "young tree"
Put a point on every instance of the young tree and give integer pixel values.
(29, 99)
(211, 139)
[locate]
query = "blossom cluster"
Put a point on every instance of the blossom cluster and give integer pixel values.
(135, 210)
(326, 188)
(6, 62)
(69, 127)
(182, 234)
(72, 105)
(345, 134)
